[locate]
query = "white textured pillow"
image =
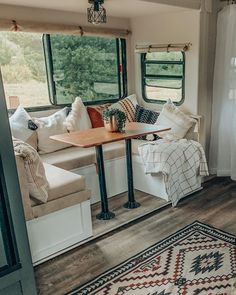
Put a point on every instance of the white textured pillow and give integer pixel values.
(128, 106)
(48, 126)
(36, 179)
(78, 118)
(19, 127)
(172, 117)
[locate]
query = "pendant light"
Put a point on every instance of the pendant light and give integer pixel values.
(96, 12)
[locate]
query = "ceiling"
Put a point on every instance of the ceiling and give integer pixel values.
(117, 8)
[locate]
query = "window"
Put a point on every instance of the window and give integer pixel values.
(39, 70)
(23, 69)
(163, 76)
(91, 67)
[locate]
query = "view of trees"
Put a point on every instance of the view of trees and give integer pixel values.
(21, 57)
(84, 66)
(23, 68)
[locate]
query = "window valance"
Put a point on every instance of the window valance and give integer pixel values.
(51, 28)
(162, 47)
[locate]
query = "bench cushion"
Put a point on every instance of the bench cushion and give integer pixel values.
(61, 203)
(62, 183)
(75, 157)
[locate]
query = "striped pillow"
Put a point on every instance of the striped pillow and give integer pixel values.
(128, 106)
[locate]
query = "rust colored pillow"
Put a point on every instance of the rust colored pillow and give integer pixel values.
(95, 117)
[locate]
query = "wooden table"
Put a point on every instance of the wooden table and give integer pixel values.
(96, 138)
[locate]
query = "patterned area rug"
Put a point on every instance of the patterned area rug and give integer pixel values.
(197, 260)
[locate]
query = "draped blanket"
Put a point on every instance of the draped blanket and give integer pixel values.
(180, 162)
(36, 179)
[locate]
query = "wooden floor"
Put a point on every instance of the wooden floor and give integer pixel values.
(123, 216)
(215, 205)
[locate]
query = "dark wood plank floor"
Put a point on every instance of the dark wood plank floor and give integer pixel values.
(148, 204)
(215, 205)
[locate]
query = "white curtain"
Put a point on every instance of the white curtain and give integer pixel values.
(223, 133)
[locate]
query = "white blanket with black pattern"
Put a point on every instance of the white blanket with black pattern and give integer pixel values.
(180, 162)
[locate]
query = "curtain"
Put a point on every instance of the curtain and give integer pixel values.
(223, 132)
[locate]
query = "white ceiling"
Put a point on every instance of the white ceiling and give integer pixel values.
(118, 8)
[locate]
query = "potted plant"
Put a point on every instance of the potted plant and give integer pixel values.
(114, 120)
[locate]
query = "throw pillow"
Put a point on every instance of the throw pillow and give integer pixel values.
(172, 117)
(78, 118)
(95, 115)
(143, 115)
(48, 126)
(128, 106)
(20, 123)
(36, 179)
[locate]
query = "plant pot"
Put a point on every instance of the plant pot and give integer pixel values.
(111, 124)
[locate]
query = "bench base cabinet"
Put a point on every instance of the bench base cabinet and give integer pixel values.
(154, 184)
(116, 178)
(54, 233)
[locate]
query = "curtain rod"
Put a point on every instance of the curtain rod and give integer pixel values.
(40, 27)
(184, 46)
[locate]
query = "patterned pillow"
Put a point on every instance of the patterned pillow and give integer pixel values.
(128, 106)
(21, 127)
(143, 115)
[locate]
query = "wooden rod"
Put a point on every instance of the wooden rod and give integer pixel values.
(50, 28)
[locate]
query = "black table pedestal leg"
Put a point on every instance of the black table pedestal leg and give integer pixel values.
(131, 204)
(105, 213)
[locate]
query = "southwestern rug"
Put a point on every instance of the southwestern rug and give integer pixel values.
(197, 260)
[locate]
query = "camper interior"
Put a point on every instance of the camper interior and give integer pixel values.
(117, 147)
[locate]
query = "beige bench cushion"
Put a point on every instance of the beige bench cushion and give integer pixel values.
(62, 182)
(62, 203)
(75, 157)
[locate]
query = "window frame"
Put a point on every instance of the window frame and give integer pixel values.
(144, 76)
(121, 59)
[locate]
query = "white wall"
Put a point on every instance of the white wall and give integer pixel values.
(165, 28)
(56, 16)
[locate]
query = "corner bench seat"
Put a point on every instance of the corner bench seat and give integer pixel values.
(65, 189)
(64, 221)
